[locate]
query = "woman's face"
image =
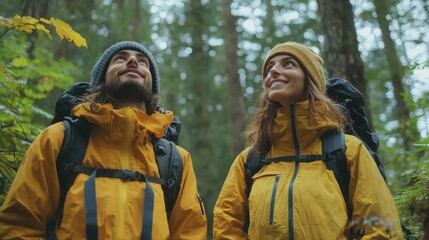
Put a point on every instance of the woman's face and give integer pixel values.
(285, 80)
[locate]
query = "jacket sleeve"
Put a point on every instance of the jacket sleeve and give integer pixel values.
(370, 195)
(188, 217)
(232, 204)
(33, 197)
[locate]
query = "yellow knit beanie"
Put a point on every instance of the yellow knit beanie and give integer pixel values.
(312, 62)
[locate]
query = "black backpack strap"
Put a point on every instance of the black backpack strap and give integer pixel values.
(170, 168)
(251, 167)
(72, 152)
(334, 148)
(254, 162)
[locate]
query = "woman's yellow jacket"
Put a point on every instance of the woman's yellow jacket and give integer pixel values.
(292, 200)
(119, 139)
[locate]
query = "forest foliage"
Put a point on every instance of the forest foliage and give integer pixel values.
(25, 80)
(188, 40)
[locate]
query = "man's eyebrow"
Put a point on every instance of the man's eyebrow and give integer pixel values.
(141, 55)
(123, 52)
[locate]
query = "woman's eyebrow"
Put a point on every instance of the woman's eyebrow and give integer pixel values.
(286, 58)
(282, 59)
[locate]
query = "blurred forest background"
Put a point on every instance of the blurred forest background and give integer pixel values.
(210, 54)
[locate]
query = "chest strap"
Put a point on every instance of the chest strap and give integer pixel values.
(300, 158)
(125, 175)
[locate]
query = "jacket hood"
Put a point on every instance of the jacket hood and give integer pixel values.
(102, 115)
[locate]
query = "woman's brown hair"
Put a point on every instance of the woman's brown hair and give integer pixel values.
(259, 131)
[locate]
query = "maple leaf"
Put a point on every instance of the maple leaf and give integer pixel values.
(46, 21)
(29, 20)
(42, 28)
(65, 31)
(29, 24)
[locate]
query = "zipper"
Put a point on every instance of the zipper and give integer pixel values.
(200, 200)
(123, 187)
(295, 173)
(273, 198)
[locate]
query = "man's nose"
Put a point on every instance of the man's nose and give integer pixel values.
(132, 61)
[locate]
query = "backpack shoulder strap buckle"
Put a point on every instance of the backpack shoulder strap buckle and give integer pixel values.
(130, 175)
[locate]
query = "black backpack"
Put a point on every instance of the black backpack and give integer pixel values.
(73, 148)
(333, 143)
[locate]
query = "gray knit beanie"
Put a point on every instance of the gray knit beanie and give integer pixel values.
(100, 68)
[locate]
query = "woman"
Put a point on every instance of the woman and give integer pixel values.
(300, 200)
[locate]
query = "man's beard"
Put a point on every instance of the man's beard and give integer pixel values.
(128, 91)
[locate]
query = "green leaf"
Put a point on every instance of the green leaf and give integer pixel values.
(20, 62)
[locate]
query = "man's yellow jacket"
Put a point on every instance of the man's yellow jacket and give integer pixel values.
(119, 139)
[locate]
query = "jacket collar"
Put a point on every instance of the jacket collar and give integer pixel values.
(306, 131)
(108, 118)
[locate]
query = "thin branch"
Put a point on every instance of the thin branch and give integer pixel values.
(9, 165)
(6, 31)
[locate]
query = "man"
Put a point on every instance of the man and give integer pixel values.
(121, 110)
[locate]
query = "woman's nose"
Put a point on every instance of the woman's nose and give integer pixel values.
(274, 69)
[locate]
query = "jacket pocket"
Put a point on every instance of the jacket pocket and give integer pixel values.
(273, 198)
(262, 199)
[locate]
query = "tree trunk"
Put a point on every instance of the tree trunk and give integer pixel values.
(36, 9)
(136, 20)
(341, 52)
(396, 74)
(198, 122)
(270, 25)
(426, 227)
(236, 99)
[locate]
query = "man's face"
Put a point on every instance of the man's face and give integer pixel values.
(128, 76)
